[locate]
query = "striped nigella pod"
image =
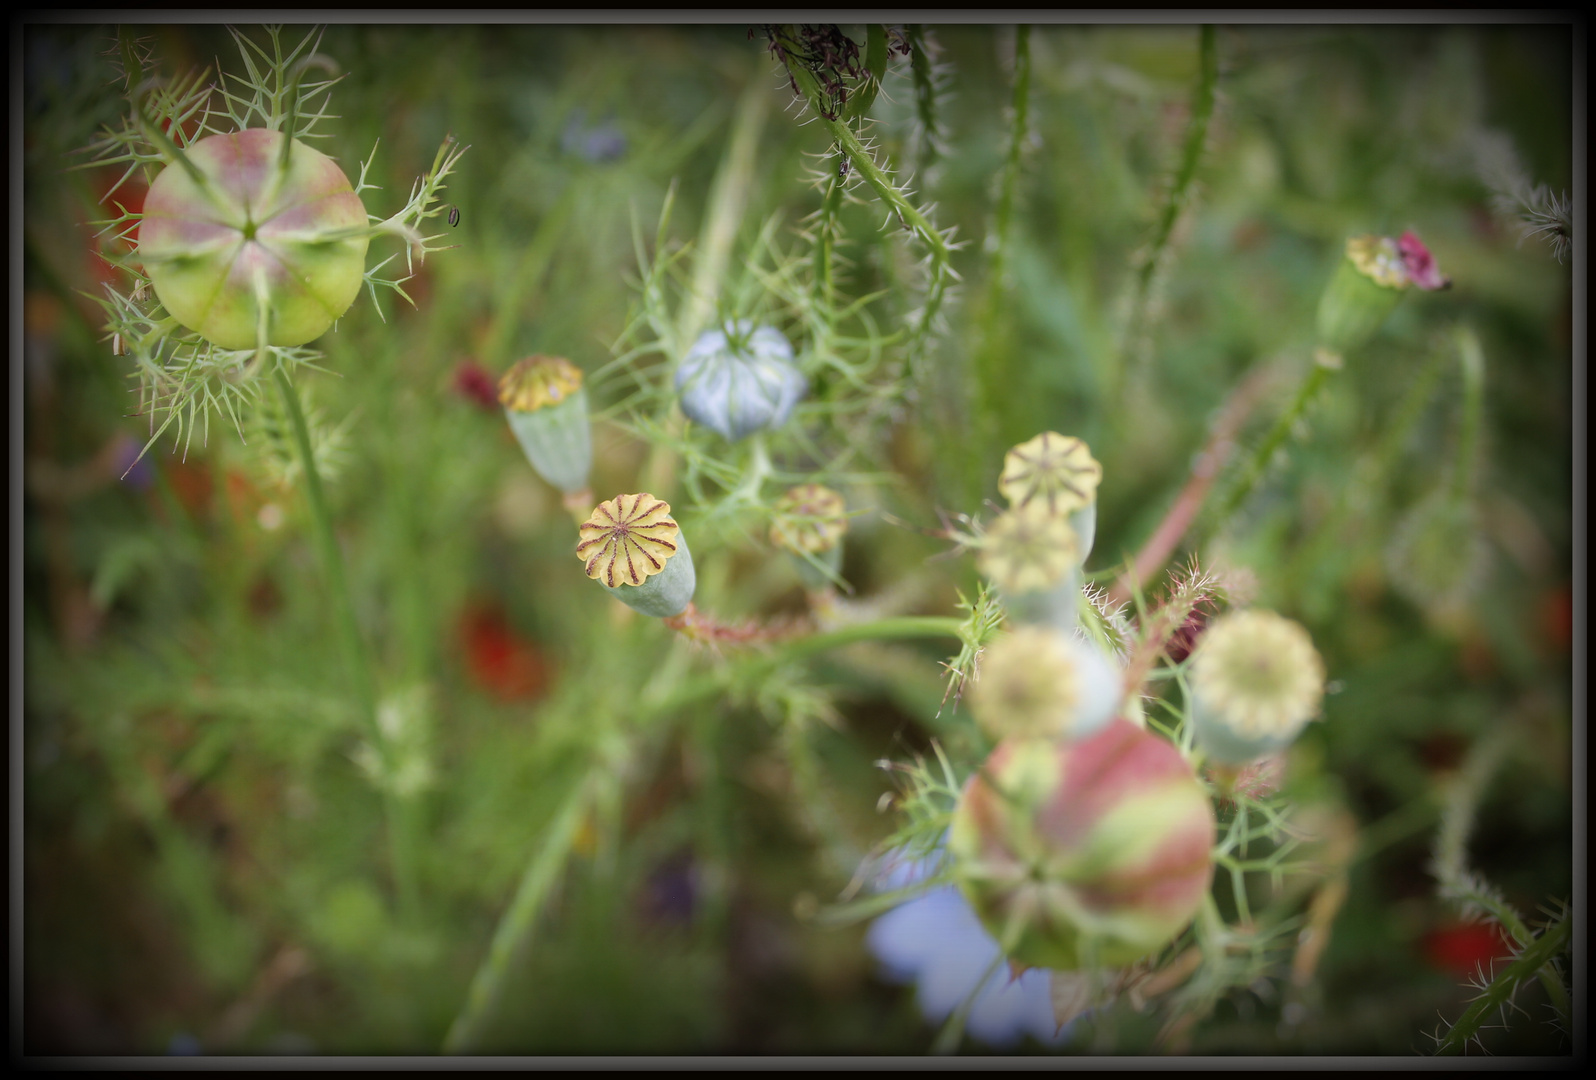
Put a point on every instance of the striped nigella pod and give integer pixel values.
(634, 548)
(1057, 472)
(740, 380)
(252, 240)
(547, 409)
(809, 524)
(1094, 853)
(1256, 680)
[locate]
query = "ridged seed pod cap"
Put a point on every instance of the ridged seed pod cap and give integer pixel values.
(1091, 851)
(1052, 470)
(1027, 549)
(1256, 680)
(634, 548)
(253, 247)
(740, 382)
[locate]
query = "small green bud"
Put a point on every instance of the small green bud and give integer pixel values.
(634, 548)
(546, 405)
(741, 382)
(1437, 557)
(249, 250)
(1256, 680)
(1094, 851)
(809, 523)
(1039, 683)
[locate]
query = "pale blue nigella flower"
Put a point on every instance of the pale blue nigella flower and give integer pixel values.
(936, 942)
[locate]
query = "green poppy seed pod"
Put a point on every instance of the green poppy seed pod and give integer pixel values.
(634, 548)
(1366, 287)
(1039, 683)
(546, 405)
(741, 382)
(809, 523)
(249, 249)
(1256, 680)
(1088, 852)
(1058, 472)
(1033, 559)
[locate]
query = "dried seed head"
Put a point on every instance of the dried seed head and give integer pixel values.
(1027, 549)
(1039, 683)
(1256, 680)
(539, 381)
(629, 539)
(1051, 470)
(809, 518)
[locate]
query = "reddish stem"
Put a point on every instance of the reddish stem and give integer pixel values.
(1156, 552)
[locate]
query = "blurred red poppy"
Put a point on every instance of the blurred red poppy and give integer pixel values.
(500, 661)
(477, 385)
(1461, 948)
(1557, 618)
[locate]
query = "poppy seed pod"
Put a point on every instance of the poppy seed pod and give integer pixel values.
(1256, 679)
(1033, 558)
(1096, 852)
(809, 523)
(1059, 473)
(1040, 683)
(634, 548)
(740, 382)
(248, 249)
(546, 405)
(1369, 282)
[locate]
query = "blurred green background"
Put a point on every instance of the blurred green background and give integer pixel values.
(205, 860)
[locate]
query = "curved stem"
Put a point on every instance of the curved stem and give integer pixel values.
(356, 660)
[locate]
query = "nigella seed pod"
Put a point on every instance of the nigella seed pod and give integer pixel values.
(1040, 683)
(634, 548)
(1437, 557)
(1033, 558)
(546, 405)
(248, 249)
(1057, 472)
(809, 523)
(740, 382)
(1256, 680)
(1087, 853)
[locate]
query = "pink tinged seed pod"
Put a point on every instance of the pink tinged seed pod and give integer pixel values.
(1090, 852)
(254, 237)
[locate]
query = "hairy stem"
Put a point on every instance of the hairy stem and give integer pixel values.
(356, 659)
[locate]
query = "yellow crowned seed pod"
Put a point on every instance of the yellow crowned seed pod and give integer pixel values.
(1256, 680)
(248, 249)
(1033, 558)
(546, 405)
(1057, 472)
(634, 548)
(809, 523)
(1040, 683)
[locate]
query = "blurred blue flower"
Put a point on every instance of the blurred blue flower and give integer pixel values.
(599, 143)
(936, 942)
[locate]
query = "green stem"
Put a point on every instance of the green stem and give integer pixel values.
(1473, 361)
(1255, 465)
(1536, 955)
(356, 660)
(1202, 111)
(925, 94)
(515, 928)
